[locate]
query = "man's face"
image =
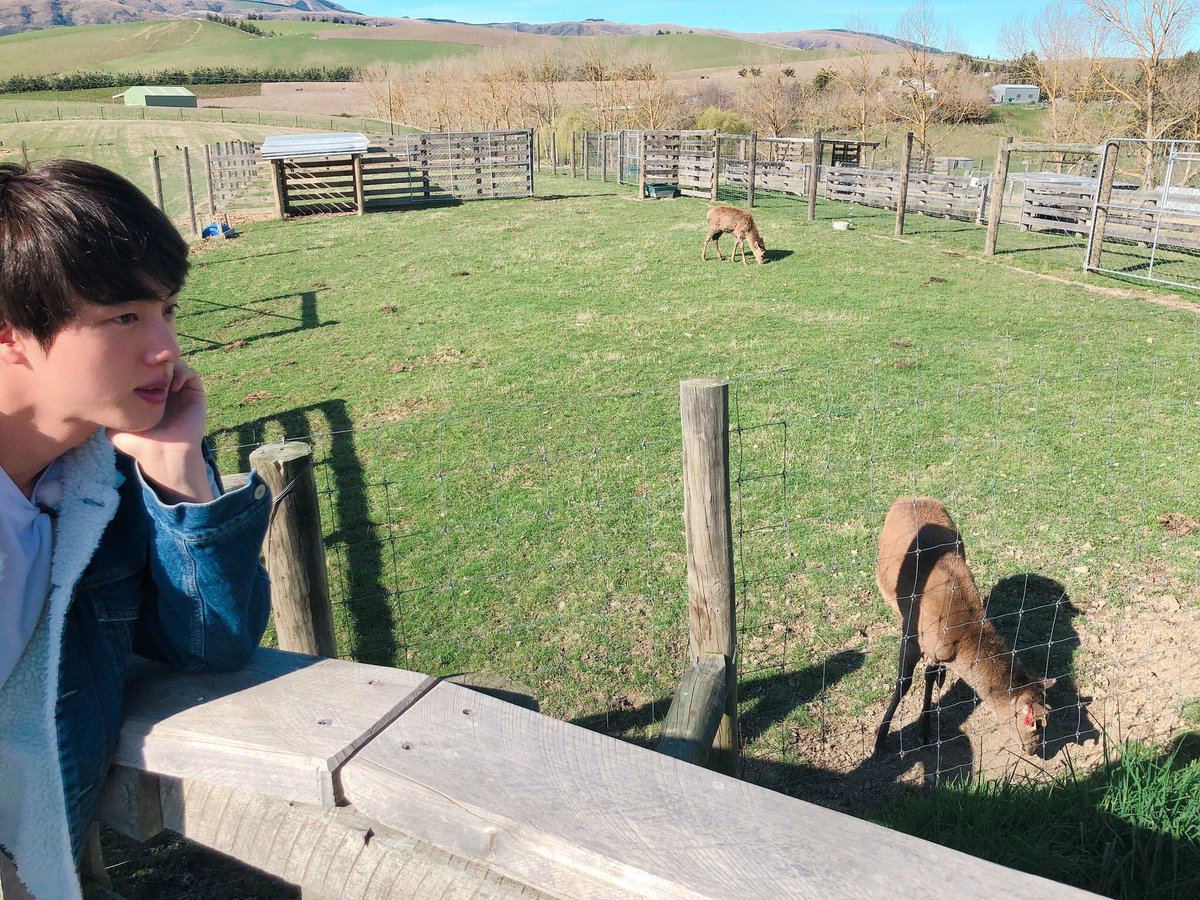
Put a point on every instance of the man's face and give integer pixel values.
(110, 366)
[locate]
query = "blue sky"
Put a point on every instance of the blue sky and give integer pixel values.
(978, 23)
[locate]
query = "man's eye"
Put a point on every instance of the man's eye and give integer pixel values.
(170, 310)
(125, 319)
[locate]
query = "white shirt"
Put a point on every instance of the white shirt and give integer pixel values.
(26, 543)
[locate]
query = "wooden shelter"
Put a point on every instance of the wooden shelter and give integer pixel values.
(316, 172)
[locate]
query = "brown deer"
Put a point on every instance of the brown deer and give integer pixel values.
(923, 574)
(731, 220)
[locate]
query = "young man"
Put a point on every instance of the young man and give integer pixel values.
(114, 535)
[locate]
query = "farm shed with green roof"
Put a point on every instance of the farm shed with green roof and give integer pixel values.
(158, 96)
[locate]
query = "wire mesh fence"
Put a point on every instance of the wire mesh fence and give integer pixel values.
(1148, 226)
(543, 542)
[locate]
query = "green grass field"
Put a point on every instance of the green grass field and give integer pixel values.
(493, 387)
(173, 44)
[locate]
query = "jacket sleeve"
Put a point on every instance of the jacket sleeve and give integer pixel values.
(208, 598)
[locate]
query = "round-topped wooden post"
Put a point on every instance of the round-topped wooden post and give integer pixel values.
(712, 628)
(295, 555)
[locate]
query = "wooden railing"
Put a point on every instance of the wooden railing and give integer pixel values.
(352, 780)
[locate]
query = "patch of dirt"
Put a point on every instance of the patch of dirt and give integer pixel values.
(325, 98)
(1178, 524)
(1124, 673)
(403, 409)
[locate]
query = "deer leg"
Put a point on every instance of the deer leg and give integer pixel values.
(709, 238)
(934, 672)
(910, 652)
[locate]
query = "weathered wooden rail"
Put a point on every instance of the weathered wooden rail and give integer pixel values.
(360, 781)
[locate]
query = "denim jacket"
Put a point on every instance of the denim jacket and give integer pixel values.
(181, 584)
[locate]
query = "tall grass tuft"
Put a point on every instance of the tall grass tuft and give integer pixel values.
(1130, 828)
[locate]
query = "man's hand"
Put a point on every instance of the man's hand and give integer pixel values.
(169, 453)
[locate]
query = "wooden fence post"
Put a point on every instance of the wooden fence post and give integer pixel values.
(359, 194)
(1108, 171)
(554, 151)
(814, 177)
(604, 156)
(529, 146)
(996, 196)
(712, 628)
(294, 553)
(279, 187)
(574, 167)
(753, 165)
(156, 180)
(642, 166)
(902, 184)
(716, 166)
(208, 177)
(187, 189)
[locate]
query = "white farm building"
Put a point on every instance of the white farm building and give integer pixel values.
(1014, 93)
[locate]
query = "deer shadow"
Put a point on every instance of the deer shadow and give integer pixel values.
(1035, 616)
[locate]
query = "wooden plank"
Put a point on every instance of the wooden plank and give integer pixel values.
(572, 812)
(246, 728)
(326, 851)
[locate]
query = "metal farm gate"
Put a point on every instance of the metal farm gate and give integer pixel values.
(1151, 233)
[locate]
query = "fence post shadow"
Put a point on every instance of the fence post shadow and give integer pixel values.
(363, 608)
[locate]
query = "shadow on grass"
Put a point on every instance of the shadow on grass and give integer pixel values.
(284, 323)
(773, 697)
(1126, 829)
(1004, 251)
(350, 534)
(204, 264)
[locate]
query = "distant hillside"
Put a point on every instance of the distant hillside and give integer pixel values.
(23, 15)
(809, 39)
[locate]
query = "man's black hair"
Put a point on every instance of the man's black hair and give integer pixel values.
(72, 231)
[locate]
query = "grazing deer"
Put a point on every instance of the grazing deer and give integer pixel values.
(731, 220)
(923, 574)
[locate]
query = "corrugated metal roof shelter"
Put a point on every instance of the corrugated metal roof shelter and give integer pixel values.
(306, 146)
(155, 95)
(320, 172)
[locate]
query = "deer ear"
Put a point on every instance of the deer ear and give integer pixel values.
(1049, 683)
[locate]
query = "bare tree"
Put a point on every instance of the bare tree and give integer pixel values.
(862, 82)
(1151, 31)
(770, 98)
(917, 100)
(656, 102)
(1056, 37)
(387, 89)
(601, 67)
(545, 73)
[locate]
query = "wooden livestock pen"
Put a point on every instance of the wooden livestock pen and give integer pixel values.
(949, 196)
(686, 159)
(354, 173)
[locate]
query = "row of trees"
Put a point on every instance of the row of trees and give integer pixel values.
(74, 81)
(1105, 67)
(1070, 50)
(605, 87)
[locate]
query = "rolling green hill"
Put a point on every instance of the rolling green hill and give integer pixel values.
(189, 43)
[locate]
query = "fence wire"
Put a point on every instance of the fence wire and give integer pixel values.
(543, 542)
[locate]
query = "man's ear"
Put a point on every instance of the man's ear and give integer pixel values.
(12, 344)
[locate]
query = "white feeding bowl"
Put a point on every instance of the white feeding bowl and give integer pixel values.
(841, 225)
